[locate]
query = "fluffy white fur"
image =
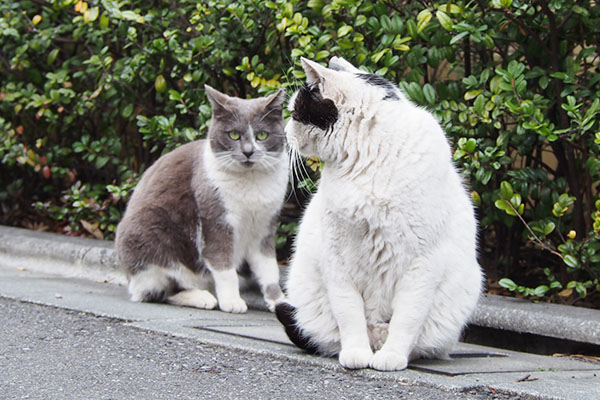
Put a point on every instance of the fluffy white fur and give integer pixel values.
(237, 187)
(390, 236)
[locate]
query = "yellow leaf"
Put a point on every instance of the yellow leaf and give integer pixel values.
(97, 92)
(36, 19)
(313, 163)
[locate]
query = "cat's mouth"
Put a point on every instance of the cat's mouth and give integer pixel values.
(247, 163)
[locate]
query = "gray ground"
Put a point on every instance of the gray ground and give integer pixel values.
(49, 353)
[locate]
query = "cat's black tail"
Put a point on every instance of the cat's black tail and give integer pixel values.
(285, 315)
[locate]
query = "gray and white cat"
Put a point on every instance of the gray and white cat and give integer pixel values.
(207, 208)
(385, 268)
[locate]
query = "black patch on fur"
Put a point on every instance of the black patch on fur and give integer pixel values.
(376, 80)
(160, 295)
(285, 315)
(310, 108)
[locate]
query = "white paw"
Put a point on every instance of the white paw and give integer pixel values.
(233, 305)
(355, 357)
(388, 361)
(194, 298)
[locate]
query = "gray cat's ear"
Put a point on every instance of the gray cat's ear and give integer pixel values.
(218, 100)
(315, 72)
(275, 101)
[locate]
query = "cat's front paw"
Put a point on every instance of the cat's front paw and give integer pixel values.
(233, 305)
(355, 357)
(388, 361)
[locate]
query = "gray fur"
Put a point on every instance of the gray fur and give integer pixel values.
(176, 215)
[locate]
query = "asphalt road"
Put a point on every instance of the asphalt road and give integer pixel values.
(50, 353)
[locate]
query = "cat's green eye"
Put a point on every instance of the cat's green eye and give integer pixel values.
(262, 135)
(233, 135)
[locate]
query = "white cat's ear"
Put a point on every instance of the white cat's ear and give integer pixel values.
(315, 72)
(340, 64)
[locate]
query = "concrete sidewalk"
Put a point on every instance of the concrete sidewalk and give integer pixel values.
(82, 274)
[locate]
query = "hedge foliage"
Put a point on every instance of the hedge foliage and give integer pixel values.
(91, 92)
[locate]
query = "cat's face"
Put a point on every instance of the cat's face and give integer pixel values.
(246, 134)
(331, 104)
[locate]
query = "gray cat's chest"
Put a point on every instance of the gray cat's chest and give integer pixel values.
(249, 202)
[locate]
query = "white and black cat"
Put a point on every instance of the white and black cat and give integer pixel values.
(208, 207)
(385, 268)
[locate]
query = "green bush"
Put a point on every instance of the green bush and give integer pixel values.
(92, 92)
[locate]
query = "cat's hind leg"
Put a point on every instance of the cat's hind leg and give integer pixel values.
(192, 289)
(453, 304)
(150, 284)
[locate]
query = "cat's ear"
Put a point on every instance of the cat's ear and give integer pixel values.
(218, 101)
(315, 72)
(275, 101)
(340, 64)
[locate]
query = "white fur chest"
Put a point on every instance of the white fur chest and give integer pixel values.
(251, 198)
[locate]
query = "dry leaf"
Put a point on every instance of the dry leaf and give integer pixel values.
(92, 228)
(580, 356)
(565, 292)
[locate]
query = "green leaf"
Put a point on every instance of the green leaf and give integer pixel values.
(174, 95)
(52, 56)
(93, 15)
(549, 228)
(540, 290)
(160, 84)
(445, 21)
(505, 206)
(344, 30)
(515, 200)
(508, 284)
(458, 37)
(429, 93)
(506, 190)
(470, 145)
(479, 104)
(322, 54)
(102, 161)
(570, 261)
(127, 111)
(471, 94)
(411, 27)
(377, 56)
(423, 19)
(316, 5)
